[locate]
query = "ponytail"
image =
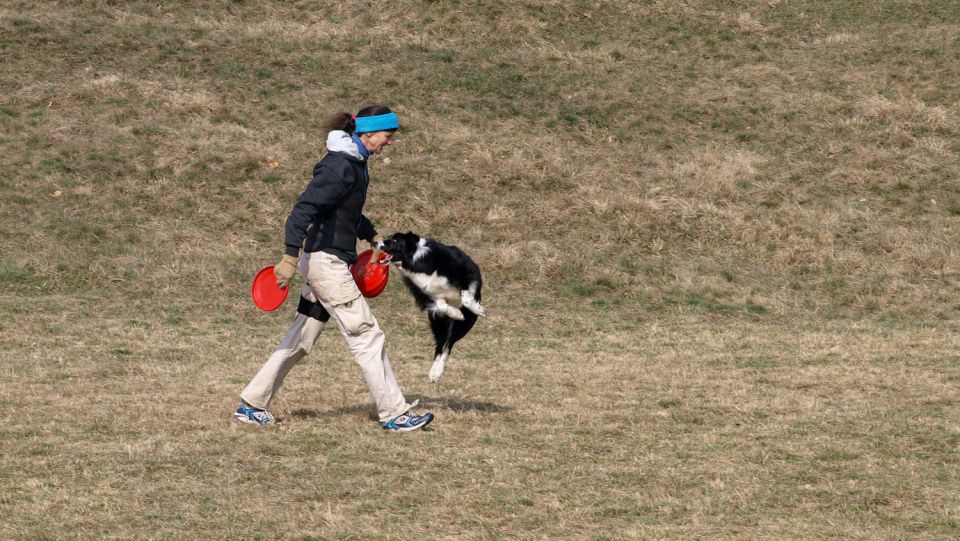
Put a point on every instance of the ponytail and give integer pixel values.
(340, 121)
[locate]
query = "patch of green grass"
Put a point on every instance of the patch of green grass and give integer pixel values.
(588, 288)
(706, 302)
(11, 273)
(835, 455)
(759, 363)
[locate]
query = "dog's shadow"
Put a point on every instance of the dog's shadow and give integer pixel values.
(456, 405)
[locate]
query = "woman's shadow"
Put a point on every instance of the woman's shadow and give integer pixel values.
(457, 405)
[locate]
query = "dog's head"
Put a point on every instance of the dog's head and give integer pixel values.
(398, 247)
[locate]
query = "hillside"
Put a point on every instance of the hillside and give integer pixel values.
(782, 156)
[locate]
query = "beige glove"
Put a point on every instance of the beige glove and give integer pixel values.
(285, 270)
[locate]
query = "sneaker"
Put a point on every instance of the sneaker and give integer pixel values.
(249, 414)
(407, 422)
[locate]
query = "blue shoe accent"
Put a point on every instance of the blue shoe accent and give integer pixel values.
(248, 414)
(407, 422)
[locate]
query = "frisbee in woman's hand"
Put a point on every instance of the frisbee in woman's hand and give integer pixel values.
(370, 276)
(267, 295)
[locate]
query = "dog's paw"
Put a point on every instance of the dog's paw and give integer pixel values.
(436, 372)
(454, 313)
(471, 303)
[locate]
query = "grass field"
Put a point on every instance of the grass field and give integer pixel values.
(719, 242)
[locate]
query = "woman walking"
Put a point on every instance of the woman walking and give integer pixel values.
(325, 223)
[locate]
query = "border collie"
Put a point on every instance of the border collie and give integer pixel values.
(444, 281)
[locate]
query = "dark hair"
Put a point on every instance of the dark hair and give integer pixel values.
(344, 121)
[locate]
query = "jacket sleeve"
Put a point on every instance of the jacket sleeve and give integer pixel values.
(325, 189)
(366, 231)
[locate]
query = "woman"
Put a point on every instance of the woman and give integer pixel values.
(326, 223)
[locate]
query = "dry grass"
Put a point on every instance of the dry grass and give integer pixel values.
(654, 429)
(719, 242)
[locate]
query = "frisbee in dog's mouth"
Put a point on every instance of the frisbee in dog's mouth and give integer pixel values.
(384, 258)
(369, 275)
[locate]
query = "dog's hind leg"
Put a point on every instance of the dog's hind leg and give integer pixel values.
(439, 364)
(459, 329)
(448, 332)
(443, 332)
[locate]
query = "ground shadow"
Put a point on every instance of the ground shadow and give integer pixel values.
(458, 405)
(355, 410)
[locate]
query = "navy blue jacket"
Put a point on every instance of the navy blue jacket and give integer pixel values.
(329, 214)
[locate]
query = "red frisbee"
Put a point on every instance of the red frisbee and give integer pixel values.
(267, 295)
(370, 276)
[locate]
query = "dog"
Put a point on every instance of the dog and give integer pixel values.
(444, 281)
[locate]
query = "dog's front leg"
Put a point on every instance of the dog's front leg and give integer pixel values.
(470, 303)
(440, 306)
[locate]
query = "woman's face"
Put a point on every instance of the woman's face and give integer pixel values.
(377, 141)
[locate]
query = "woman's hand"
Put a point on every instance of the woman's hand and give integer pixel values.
(285, 270)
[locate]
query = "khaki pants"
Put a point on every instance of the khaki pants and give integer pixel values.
(329, 281)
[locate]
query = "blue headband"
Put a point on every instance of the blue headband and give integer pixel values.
(366, 124)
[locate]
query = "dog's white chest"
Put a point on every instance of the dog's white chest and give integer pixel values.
(433, 285)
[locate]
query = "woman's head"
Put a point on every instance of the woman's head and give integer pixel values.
(374, 124)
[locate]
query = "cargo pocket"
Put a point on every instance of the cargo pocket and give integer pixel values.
(335, 288)
(331, 280)
(354, 316)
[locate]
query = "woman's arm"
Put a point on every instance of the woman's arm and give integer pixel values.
(323, 192)
(366, 231)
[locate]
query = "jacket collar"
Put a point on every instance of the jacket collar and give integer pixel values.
(341, 142)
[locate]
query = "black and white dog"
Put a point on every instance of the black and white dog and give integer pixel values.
(444, 281)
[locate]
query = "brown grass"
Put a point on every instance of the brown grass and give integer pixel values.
(719, 244)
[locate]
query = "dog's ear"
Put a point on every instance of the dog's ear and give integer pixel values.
(412, 237)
